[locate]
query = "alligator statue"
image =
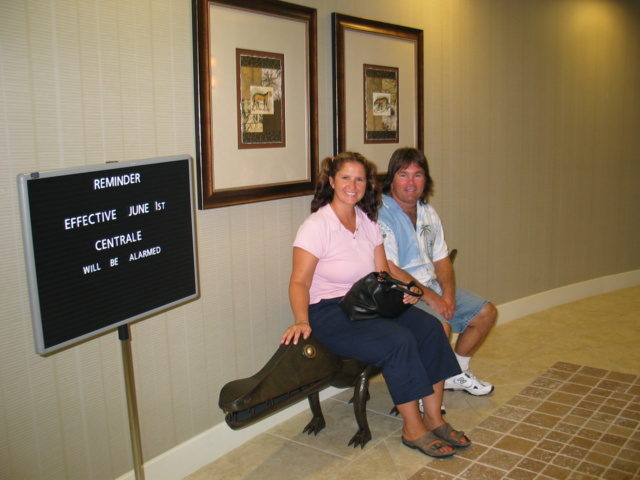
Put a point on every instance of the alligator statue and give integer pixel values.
(293, 373)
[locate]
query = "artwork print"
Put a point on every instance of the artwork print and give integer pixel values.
(380, 104)
(260, 79)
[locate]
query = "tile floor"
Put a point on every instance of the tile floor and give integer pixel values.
(601, 332)
(573, 422)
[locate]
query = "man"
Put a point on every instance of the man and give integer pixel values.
(416, 250)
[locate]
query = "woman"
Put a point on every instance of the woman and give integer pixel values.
(339, 243)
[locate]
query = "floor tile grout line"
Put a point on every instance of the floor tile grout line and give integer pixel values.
(562, 419)
(371, 443)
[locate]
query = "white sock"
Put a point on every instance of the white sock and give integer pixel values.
(463, 362)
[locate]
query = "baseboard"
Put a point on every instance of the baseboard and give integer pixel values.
(569, 293)
(210, 445)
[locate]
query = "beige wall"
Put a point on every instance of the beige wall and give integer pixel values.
(532, 121)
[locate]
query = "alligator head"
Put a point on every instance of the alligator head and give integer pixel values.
(294, 372)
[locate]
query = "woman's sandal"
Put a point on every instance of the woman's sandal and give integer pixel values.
(430, 445)
(452, 437)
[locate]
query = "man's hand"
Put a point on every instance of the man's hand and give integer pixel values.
(445, 305)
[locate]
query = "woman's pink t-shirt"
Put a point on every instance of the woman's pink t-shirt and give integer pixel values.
(343, 257)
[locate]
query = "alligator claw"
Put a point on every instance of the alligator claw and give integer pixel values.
(361, 438)
(314, 426)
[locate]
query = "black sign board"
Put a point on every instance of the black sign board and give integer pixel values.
(107, 245)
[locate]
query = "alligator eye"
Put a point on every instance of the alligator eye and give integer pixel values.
(309, 351)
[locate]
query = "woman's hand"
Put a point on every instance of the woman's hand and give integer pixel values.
(295, 331)
(410, 299)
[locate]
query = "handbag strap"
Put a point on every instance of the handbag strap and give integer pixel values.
(400, 285)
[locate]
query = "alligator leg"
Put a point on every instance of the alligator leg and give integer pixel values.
(368, 397)
(360, 397)
(317, 423)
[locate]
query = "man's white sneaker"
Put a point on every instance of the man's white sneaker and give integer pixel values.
(469, 383)
(443, 411)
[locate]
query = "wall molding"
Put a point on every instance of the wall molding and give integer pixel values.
(219, 440)
(569, 293)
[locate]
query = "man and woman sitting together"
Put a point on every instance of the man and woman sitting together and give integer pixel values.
(351, 233)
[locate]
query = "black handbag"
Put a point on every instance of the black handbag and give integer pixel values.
(377, 295)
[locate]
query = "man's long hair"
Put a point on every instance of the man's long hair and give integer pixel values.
(401, 159)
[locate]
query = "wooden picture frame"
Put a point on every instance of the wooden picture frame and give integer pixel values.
(359, 44)
(232, 171)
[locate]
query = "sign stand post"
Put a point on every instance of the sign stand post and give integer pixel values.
(132, 404)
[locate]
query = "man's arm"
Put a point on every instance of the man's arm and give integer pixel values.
(446, 277)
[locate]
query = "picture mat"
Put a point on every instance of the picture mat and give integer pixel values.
(365, 48)
(235, 168)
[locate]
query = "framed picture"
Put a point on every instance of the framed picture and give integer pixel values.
(381, 104)
(256, 100)
(260, 95)
(378, 89)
